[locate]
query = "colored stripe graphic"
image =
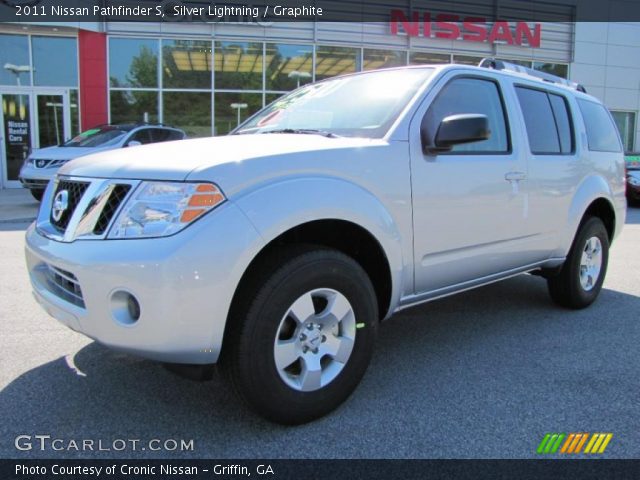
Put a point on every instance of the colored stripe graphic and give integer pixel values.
(598, 443)
(551, 442)
(573, 443)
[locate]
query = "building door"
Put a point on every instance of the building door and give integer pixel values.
(30, 119)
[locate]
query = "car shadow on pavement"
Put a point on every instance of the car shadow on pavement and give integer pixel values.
(484, 365)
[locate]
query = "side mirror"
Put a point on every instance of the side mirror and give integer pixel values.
(456, 130)
(133, 143)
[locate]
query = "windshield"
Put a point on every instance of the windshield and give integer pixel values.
(97, 137)
(363, 105)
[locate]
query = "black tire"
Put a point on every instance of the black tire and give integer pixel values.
(37, 193)
(565, 288)
(248, 352)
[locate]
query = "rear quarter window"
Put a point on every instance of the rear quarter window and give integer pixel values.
(602, 134)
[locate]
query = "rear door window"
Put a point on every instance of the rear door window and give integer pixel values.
(141, 136)
(563, 122)
(548, 121)
(602, 134)
(539, 121)
(164, 135)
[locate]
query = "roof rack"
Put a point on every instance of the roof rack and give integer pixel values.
(497, 64)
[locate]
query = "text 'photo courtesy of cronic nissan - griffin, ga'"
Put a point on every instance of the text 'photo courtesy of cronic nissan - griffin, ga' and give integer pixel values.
(277, 250)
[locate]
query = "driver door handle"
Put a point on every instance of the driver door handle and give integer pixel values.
(515, 176)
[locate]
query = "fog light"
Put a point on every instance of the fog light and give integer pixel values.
(125, 308)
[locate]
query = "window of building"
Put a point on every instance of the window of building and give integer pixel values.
(376, 58)
(231, 109)
(332, 61)
(272, 97)
(189, 111)
(133, 62)
(133, 106)
(75, 112)
(472, 95)
(467, 60)
(288, 66)
(186, 64)
(602, 135)
(238, 66)
(15, 68)
(55, 61)
(626, 123)
(428, 58)
(522, 63)
(547, 121)
(557, 69)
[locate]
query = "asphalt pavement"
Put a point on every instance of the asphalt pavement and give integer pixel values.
(484, 374)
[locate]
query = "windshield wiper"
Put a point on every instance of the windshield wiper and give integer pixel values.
(304, 131)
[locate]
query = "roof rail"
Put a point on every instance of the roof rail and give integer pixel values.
(497, 64)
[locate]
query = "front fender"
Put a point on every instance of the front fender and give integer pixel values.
(275, 208)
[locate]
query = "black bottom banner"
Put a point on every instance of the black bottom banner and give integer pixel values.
(318, 469)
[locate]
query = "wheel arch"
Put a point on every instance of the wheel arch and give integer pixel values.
(345, 236)
(592, 198)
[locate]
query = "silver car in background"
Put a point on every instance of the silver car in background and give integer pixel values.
(43, 164)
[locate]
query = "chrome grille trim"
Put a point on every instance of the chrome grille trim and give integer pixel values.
(82, 222)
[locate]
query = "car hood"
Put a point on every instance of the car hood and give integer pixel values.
(176, 160)
(65, 153)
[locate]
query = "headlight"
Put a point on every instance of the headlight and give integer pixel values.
(634, 181)
(158, 209)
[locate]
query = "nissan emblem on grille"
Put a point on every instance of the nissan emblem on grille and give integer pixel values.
(60, 204)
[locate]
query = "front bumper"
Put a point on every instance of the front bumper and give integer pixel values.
(36, 178)
(183, 283)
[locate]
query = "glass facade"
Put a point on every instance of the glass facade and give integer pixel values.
(204, 87)
(626, 123)
(15, 68)
(36, 72)
(133, 63)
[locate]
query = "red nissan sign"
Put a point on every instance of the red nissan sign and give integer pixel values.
(470, 29)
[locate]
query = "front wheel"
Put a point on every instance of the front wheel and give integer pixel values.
(582, 275)
(305, 337)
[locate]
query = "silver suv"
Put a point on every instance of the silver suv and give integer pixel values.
(277, 250)
(43, 164)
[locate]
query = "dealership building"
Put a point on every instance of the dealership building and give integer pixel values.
(57, 79)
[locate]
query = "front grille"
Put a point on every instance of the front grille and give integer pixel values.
(116, 197)
(65, 285)
(75, 191)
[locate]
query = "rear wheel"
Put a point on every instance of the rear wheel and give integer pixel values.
(582, 275)
(37, 193)
(304, 339)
